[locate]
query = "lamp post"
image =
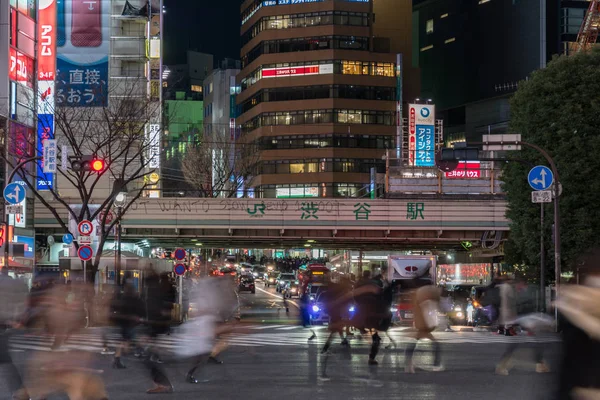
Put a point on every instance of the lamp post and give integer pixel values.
(120, 200)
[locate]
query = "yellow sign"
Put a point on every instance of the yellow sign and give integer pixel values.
(154, 90)
(318, 273)
(154, 177)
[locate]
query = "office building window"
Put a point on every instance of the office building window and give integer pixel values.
(429, 26)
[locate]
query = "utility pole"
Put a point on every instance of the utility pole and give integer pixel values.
(542, 261)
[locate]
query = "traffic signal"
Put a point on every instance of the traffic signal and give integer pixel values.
(88, 164)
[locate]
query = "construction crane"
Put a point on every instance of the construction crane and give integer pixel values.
(588, 33)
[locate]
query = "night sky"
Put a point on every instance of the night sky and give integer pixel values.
(208, 26)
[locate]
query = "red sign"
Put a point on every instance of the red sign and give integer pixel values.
(291, 71)
(47, 41)
(466, 170)
(109, 218)
(20, 68)
(412, 136)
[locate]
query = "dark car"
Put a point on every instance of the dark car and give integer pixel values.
(246, 284)
(283, 280)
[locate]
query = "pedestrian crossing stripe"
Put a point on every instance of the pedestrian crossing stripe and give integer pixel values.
(93, 341)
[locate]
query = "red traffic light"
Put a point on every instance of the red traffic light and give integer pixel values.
(97, 165)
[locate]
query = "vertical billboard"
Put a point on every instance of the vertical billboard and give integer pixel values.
(421, 135)
(83, 28)
(46, 76)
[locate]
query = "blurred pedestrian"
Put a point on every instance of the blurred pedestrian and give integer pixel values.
(427, 300)
(373, 311)
(13, 295)
(159, 308)
(127, 311)
(336, 303)
(580, 363)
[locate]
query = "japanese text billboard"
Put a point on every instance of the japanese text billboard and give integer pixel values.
(46, 75)
(421, 135)
(466, 170)
(297, 71)
(21, 68)
(153, 142)
(83, 49)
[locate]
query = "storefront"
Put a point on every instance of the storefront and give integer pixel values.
(468, 273)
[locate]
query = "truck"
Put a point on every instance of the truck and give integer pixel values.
(408, 273)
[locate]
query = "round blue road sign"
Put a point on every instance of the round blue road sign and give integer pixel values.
(179, 254)
(540, 177)
(14, 193)
(179, 269)
(67, 238)
(85, 253)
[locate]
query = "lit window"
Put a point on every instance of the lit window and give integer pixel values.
(427, 48)
(351, 68)
(444, 15)
(210, 87)
(297, 168)
(484, 1)
(197, 88)
(450, 40)
(429, 26)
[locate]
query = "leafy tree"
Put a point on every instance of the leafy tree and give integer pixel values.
(558, 109)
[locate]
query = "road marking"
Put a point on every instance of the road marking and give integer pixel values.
(271, 327)
(288, 328)
(279, 297)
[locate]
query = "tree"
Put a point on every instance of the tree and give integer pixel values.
(123, 135)
(220, 166)
(558, 109)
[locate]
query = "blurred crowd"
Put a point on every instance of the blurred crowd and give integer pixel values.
(135, 316)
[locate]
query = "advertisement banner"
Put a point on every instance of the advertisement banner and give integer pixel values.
(21, 68)
(297, 71)
(45, 181)
(421, 135)
(410, 267)
(46, 76)
(153, 143)
(83, 50)
(466, 170)
(47, 40)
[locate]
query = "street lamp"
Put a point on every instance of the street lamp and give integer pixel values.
(120, 200)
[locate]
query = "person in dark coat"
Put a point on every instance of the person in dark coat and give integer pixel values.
(127, 309)
(158, 311)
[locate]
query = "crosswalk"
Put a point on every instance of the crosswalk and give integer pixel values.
(265, 335)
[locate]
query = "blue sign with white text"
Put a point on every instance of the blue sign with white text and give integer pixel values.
(82, 85)
(44, 181)
(425, 146)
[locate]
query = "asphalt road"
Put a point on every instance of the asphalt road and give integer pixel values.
(273, 360)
